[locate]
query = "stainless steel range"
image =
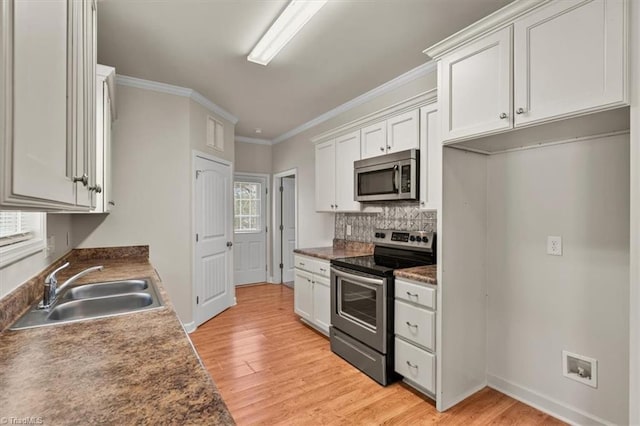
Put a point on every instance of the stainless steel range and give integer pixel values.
(362, 290)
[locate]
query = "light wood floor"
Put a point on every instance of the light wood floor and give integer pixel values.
(271, 369)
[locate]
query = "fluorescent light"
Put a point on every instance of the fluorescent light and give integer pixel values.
(291, 20)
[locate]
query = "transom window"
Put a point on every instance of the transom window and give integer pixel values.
(247, 206)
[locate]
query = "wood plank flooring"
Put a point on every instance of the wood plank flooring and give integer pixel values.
(271, 369)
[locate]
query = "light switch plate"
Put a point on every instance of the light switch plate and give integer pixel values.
(348, 229)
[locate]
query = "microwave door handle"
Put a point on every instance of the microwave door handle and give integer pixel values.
(396, 177)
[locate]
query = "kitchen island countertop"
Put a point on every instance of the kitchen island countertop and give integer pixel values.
(128, 369)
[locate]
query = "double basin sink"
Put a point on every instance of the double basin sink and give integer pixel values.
(92, 301)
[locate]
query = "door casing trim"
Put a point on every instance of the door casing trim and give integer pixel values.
(276, 240)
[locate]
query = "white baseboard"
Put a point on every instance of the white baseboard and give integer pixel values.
(558, 409)
(442, 406)
(189, 327)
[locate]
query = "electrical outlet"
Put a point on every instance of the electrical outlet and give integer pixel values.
(348, 229)
(554, 245)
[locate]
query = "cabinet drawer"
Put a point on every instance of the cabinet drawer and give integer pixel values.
(303, 262)
(416, 365)
(321, 268)
(416, 293)
(415, 324)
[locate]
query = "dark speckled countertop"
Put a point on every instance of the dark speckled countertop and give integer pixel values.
(423, 274)
(137, 368)
(329, 253)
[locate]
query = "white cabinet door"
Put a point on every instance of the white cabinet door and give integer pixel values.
(303, 294)
(475, 87)
(373, 140)
(321, 303)
(347, 151)
(569, 57)
(403, 132)
(325, 176)
(430, 158)
(41, 141)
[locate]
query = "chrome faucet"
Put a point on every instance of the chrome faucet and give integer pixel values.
(51, 289)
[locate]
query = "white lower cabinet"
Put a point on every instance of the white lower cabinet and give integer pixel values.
(312, 292)
(415, 334)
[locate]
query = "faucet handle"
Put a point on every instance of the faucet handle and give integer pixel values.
(51, 278)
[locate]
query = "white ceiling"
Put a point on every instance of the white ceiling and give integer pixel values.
(347, 49)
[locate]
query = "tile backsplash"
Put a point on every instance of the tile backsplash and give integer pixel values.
(402, 216)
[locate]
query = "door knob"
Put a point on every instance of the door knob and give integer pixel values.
(229, 243)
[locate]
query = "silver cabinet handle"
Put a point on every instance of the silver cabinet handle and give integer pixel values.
(412, 294)
(84, 179)
(301, 264)
(412, 365)
(112, 203)
(520, 111)
(96, 188)
(323, 270)
(412, 325)
(229, 244)
(503, 116)
(382, 148)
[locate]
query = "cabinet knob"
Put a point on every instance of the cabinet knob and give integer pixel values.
(331, 205)
(96, 188)
(84, 179)
(503, 115)
(336, 206)
(520, 111)
(382, 148)
(388, 147)
(229, 244)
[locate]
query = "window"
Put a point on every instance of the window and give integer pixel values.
(247, 206)
(21, 234)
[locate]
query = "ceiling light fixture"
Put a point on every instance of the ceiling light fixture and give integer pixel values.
(291, 20)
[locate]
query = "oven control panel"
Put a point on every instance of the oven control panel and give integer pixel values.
(418, 239)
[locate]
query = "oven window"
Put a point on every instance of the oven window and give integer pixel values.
(358, 302)
(377, 182)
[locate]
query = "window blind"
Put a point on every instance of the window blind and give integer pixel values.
(17, 226)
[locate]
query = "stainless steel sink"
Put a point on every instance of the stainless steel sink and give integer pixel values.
(105, 289)
(92, 301)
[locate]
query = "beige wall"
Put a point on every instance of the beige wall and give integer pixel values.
(152, 189)
(317, 229)
(253, 158)
(539, 305)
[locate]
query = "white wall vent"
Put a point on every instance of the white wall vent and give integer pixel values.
(215, 134)
(580, 368)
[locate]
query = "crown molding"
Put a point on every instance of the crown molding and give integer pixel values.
(417, 101)
(390, 85)
(186, 92)
(255, 141)
(497, 20)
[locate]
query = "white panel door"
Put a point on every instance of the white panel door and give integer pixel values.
(347, 151)
(325, 176)
(373, 140)
(430, 158)
(288, 227)
(322, 302)
(569, 57)
(475, 87)
(249, 235)
(403, 132)
(213, 209)
(42, 143)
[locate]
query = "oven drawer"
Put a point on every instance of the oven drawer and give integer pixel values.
(415, 324)
(416, 293)
(416, 365)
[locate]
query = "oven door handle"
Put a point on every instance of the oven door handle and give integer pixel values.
(357, 278)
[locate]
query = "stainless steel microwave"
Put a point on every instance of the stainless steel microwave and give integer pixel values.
(388, 177)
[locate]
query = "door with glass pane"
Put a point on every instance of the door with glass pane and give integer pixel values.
(250, 226)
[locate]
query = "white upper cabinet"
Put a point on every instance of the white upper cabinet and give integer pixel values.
(105, 115)
(47, 57)
(373, 140)
(334, 173)
(347, 151)
(403, 132)
(475, 87)
(430, 158)
(569, 57)
(397, 133)
(326, 176)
